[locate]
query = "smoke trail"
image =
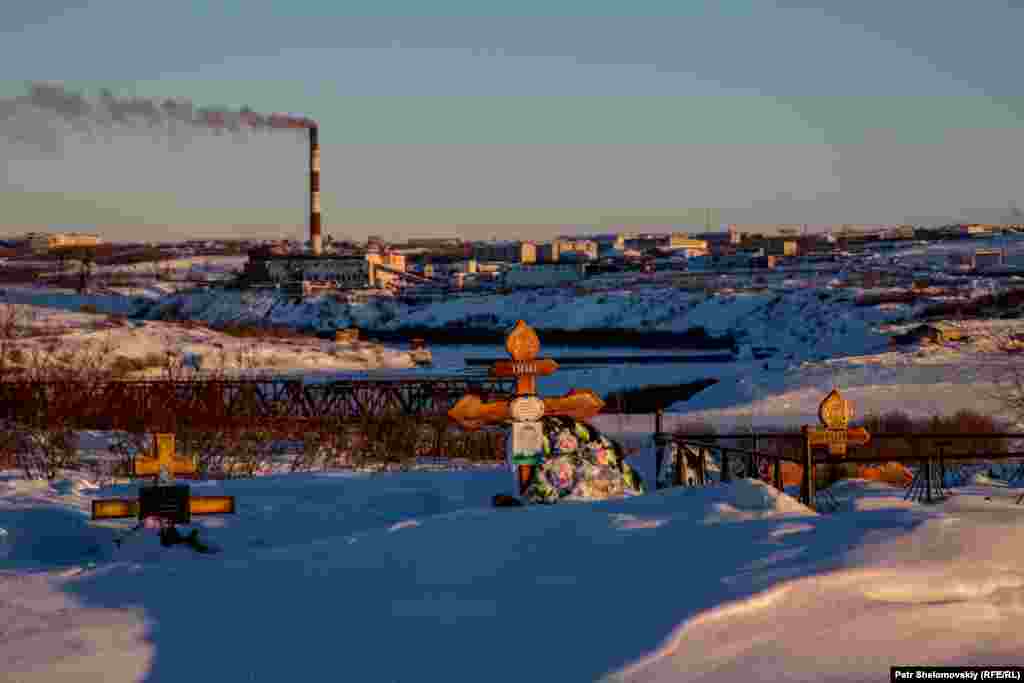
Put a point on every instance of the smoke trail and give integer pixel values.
(29, 118)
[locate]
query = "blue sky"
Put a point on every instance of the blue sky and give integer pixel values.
(441, 117)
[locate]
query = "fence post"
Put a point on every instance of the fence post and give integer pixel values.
(660, 443)
(808, 492)
(915, 450)
(942, 463)
(679, 462)
(754, 470)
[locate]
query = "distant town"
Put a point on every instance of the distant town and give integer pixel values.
(429, 266)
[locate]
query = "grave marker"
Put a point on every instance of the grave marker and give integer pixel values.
(525, 411)
(834, 413)
(164, 500)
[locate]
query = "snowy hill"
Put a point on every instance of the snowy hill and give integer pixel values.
(407, 577)
(794, 319)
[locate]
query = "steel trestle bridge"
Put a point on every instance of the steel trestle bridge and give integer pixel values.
(273, 403)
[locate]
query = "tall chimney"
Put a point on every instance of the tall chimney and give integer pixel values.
(314, 190)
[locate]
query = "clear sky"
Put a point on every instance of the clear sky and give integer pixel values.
(442, 118)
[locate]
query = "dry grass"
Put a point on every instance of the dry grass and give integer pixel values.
(123, 365)
(261, 332)
(979, 306)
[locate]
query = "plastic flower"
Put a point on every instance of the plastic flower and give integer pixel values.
(602, 456)
(582, 490)
(567, 441)
(565, 474)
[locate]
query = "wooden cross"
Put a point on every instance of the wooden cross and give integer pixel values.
(171, 503)
(522, 344)
(834, 413)
(164, 458)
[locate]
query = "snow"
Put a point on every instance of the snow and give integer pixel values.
(414, 576)
(59, 330)
(335, 573)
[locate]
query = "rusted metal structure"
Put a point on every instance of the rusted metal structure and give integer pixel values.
(275, 404)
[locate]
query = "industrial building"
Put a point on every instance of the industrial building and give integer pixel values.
(775, 246)
(42, 242)
(433, 242)
(325, 271)
(719, 239)
(544, 275)
(988, 258)
(347, 272)
(507, 252)
(671, 242)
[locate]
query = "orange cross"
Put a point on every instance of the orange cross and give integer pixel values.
(165, 457)
(835, 413)
(523, 346)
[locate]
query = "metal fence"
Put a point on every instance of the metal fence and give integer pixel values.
(749, 455)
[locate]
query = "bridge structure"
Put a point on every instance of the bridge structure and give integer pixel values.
(278, 404)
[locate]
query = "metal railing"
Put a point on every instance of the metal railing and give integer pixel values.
(929, 451)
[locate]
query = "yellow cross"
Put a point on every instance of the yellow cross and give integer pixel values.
(165, 457)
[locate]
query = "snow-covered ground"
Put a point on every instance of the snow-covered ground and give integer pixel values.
(57, 332)
(413, 576)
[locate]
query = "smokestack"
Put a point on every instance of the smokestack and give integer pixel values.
(314, 190)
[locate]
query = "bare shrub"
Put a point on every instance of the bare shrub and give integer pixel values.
(42, 451)
(125, 446)
(13, 323)
(9, 445)
(124, 365)
(482, 446)
(213, 451)
(389, 440)
(47, 440)
(249, 451)
(251, 331)
(961, 422)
